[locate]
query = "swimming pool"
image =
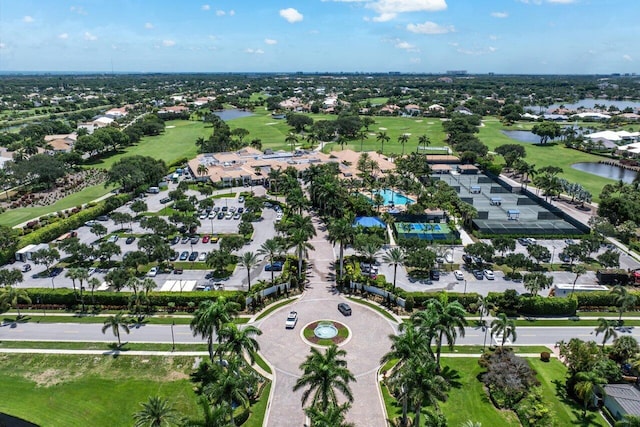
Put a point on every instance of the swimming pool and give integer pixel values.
(394, 198)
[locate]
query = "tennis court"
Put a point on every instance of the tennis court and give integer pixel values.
(420, 230)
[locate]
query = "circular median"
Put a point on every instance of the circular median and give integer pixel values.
(326, 333)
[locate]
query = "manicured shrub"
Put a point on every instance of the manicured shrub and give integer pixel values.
(540, 306)
(545, 356)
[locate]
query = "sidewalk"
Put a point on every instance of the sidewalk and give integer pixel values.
(104, 352)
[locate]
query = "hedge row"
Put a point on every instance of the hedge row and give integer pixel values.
(599, 299)
(541, 306)
(67, 297)
(422, 299)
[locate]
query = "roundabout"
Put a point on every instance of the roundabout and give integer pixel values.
(325, 333)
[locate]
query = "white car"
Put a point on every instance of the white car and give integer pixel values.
(489, 274)
(203, 215)
(153, 272)
(292, 319)
(458, 275)
(113, 238)
(202, 256)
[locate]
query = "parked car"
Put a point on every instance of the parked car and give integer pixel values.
(55, 271)
(202, 256)
(165, 200)
(240, 209)
(26, 267)
(224, 209)
(237, 215)
(214, 238)
(193, 256)
(220, 215)
(91, 223)
(276, 266)
(478, 274)
(184, 255)
(570, 242)
(205, 238)
(212, 215)
(434, 275)
(241, 199)
(153, 272)
(174, 256)
(174, 240)
(232, 209)
(103, 218)
(130, 240)
(344, 308)
(195, 239)
(291, 321)
(458, 275)
(468, 259)
(177, 270)
(113, 238)
(216, 209)
(229, 215)
(489, 274)
(203, 215)
(185, 239)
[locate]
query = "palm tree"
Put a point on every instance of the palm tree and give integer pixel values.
(504, 326)
(300, 241)
(249, 260)
(362, 135)
(72, 273)
(230, 387)
(586, 384)
(271, 248)
(210, 317)
(424, 141)
(402, 139)
(447, 321)
(382, 137)
(333, 416)
(607, 328)
(394, 257)
(202, 170)
(578, 270)
(341, 231)
(312, 138)
(323, 375)
(116, 323)
(423, 384)
(291, 139)
(156, 412)
(238, 341)
(213, 415)
(628, 420)
(9, 296)
(623, 299)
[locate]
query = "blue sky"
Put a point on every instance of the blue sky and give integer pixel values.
(501, 36)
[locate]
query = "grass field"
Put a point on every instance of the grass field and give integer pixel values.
(17, 216)
(65, 390)
(550, 155)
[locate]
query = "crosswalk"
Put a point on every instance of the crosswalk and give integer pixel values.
(498, 340)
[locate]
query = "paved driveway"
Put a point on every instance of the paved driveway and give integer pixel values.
(286, 350)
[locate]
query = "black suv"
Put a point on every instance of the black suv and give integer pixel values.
(344, 309)
(434, 275)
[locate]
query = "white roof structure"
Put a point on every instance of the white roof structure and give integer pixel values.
(178, 286)
(614, 135)
(593, 115)
(631, 148)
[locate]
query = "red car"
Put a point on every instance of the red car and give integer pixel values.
(205, 239)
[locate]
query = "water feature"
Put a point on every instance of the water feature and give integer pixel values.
(393, 197)
(325, 330)
(522, 136)
(606, 171)
(587, 103)
(232, 114)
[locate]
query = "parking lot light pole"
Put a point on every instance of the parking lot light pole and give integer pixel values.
(553, 255)
(465, 286)
(173, 339)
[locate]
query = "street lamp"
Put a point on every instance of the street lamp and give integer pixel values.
(173, 339)
(486, 328)
(553, 254)
(465, 286)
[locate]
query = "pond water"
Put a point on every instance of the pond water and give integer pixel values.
(522, 135)
(606, 171)
(588, 103)
(232, 114)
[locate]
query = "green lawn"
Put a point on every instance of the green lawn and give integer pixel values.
(17, 216)
(550, 155)
(100, 346)
(177, 141)
(552, 376)
(65, 390)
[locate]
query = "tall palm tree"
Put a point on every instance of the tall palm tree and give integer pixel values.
(424, 141)
(209, 319)
(586, 384)
(447, 320)
(323, 375)
(394, 257)
(213, 415)
(82, 275)
(72, 273)
(300, 241)
(382, 137)
(271, 248)
(424, 385)
(402, 139)
(202, 170)
(230, 387)
(333, 416)
(115, 323)
(341, 231)
(249, 260)
(505, 326)
(292, 140)
(623, 299)
(607, 328)
(156, 412)
(10, 296)
(238, 341)
(362, 135)
(312, 138)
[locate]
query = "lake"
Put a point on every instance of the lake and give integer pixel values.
(589, 103)
(232, 114)
(522, 136)
(606, 171)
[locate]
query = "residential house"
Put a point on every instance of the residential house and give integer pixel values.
(61, 143)
(622, 399)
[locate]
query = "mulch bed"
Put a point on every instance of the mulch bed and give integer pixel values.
(315, 340)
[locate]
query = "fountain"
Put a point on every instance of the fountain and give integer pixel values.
(325, 330)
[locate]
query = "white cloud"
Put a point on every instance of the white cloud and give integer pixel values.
(63, 36)
(254, 51)
(168, 43)
(148, 26)
(28, 19)
(220, 13)
(627, 58)
(232, 12)
(270, 41)
(3, 45)
(90, 37)
(492, 49)
(430, 28)
(291, 15)
(477, 52)
(406, 46)
(78, 9)
(389, 9)
(205, 7)
(454, 44)
(500, 14)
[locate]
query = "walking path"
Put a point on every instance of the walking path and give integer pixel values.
(285, 350)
